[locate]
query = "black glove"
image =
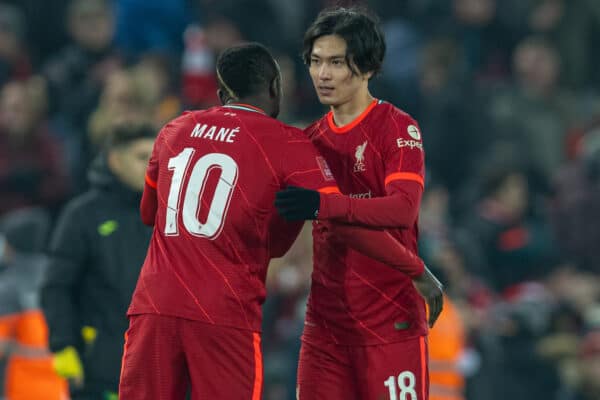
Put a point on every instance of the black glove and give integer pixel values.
(297, 204)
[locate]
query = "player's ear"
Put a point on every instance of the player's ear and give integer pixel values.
(275, 87)
(222, 96)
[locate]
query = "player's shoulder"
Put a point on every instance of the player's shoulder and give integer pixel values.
(187, 118)
(313, 129)
(397, 121)
(390, 111)
(286, 132)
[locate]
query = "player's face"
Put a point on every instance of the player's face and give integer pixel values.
(332, 77)
(130, 162)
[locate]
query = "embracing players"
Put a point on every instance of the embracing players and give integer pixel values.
(195, 316)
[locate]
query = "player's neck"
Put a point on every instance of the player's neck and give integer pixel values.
(256, 103)
(344, 114)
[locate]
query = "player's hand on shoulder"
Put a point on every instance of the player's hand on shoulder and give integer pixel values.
(432, 291)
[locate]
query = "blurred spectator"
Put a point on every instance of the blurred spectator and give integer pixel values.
(569, 25)
(449, 113)
(221, 33)
(464, 323)
(198, 79)
(158, 26)
(121, 102)
(289, 109)
(96, 252)
(153, 75)
(448, 250)
(516, 245)
(589, 369)
(521, 320)
(482, 37)
(575, 295)
(32, 170)
(578, 291)
(77, 73)
(535, 110)
(14, 63)
(246, 15)
(294, 17)
(446, 351)
(575, 208)
(29, 372)
(46, 29)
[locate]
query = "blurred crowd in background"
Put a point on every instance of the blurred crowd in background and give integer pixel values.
(507, 94)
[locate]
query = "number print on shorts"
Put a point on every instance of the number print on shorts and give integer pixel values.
(195, 188)
(405, 382)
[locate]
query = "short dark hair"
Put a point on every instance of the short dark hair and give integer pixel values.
(124, 133)
(364, 40)
(246, 69)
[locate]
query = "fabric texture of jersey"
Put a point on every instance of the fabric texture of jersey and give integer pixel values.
(391, 371)
(214, 361)
(214, 174)
(354, 299)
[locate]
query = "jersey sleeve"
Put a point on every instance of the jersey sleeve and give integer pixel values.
(303, 166)
(379, 245)
(402, 153)
(149, 203)
(282, 235)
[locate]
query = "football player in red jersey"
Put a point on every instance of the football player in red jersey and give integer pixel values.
(366, 328)
(195, 315)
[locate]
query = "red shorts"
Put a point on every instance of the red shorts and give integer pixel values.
(164, 356)
(396, 371)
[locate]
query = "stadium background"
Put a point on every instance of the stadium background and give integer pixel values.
(507, 96)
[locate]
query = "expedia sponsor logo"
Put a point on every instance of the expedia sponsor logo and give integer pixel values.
(413, 131)
(412, 144)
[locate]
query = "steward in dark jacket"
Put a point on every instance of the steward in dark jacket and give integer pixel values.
(96, 252)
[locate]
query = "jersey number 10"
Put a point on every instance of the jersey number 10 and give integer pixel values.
(196, 186)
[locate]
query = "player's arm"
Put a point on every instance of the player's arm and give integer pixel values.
(149, 203)
(379, 245)
(283, 234)
(398, 209)
(404, 180)
(304, 167)
(383, 247)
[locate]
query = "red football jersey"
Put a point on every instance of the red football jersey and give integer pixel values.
(211, 183)
(354, 299)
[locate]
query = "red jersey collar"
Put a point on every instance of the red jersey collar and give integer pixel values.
(353, 124)
(247, 107)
